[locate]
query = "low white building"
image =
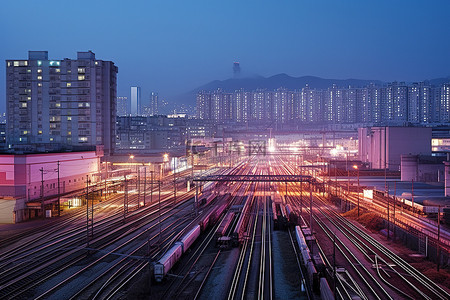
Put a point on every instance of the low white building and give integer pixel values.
(28, 178)
(382, 147)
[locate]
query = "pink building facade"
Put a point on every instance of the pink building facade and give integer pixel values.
(30, 177)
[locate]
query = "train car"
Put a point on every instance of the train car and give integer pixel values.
(274, 216)
(313, 276)
(189, 238)
(223, 228)
(319, 263)
(293, 216)
(325, 290)
(209, 187)
(168, 261)
(206, 198)
(219, 211)
(239, 230)
(207, 218)
(301, 242)
(282, 217)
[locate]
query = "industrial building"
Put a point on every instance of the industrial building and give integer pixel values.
(28, 179)
(382, 147)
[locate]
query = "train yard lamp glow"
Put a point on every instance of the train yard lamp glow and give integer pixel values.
(357, 192)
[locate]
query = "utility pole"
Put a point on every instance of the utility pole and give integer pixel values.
(151, 186)
(174, 185)
(301, 193)
(438, 239)
(87, 210)
(92, 213)
(106, 177)
(335, 179)
(159, 211)
(334, 265)
(196, 200)
(105, 188)
(145, 182)
(138, 183)
(310, 211)
(59, 194)
(395, 200)
(42, 193)
(387, 202)
(125, 198)
(357, 193)
(412, 195)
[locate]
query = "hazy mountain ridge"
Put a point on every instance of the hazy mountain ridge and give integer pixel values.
(285, 81)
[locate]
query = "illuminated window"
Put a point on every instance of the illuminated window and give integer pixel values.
(68, 84)
(16, 64)
(80, 77)
(9, 64)
(39, 70)
(28, 98)
(57, 70)
(40, 132)
(23, 104)
(81, 70)
(69, 118)
(51, 139)
(88, 104)
(39, 62)
(80, 104)
(54, 63)
(83, 139)
(39, 84)
(96, 63)
(29, 71)
(25, 132)
(69, 132)
(58, 104)
(39, 77)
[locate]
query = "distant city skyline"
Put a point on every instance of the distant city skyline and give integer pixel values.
(388, 41)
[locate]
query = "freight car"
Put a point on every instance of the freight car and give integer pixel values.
(293, 216)
(173, 255)
(314, 264)
(239, 230)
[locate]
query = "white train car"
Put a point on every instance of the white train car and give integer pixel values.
(188, 239)
(163, 266)
(168, 261)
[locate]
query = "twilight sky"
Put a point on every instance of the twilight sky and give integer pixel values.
(174, 46)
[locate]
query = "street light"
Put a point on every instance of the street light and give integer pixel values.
(357, 192)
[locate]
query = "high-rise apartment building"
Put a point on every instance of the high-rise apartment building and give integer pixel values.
(154, 104)
(394, 104)
(56, 104)
(123, 106)
(135, 101)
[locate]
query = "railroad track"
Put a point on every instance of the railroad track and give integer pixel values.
(45, 270)
(389, 266)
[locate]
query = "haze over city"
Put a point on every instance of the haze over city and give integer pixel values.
(172, 47)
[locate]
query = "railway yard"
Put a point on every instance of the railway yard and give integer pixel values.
(260, 229)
